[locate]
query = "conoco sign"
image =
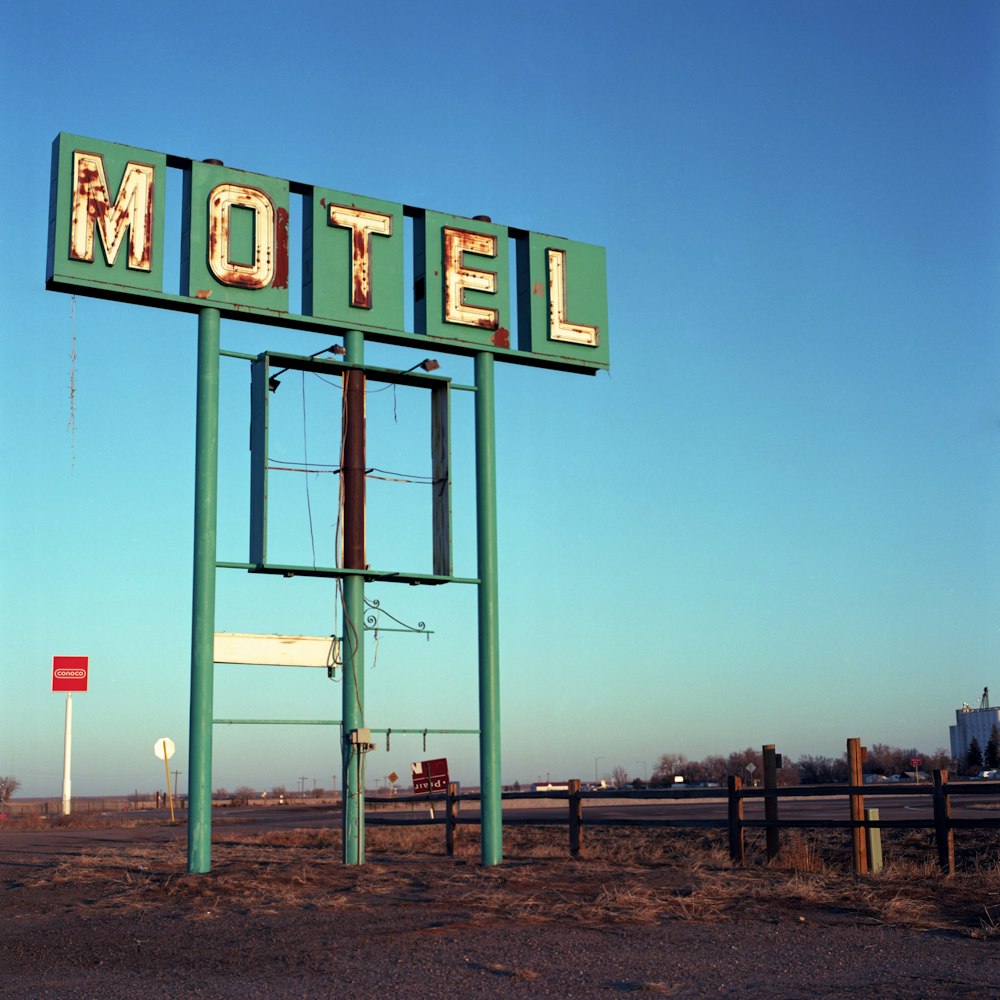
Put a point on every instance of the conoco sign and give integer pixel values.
(69, 673)
(473, 281)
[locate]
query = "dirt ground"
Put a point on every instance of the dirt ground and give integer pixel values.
(111, 913)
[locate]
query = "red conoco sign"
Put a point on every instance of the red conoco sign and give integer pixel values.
(69, 673)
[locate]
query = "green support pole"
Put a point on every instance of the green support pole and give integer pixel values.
(491, 789)
(206, 478)
(353, 590)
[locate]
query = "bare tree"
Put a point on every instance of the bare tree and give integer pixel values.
(8, 785)
(618, 777)
(668, 766)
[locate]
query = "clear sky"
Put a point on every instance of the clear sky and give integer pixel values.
(774, 521)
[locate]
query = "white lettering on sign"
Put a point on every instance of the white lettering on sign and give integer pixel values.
(91, 206)
(457, 278)
(560, 328)
(363, 225)
(259, 273)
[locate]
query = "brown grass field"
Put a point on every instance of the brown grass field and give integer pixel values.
(638, 885)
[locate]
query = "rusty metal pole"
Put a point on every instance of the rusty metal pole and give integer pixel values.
(353, 590)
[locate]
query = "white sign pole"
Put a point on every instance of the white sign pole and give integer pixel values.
(67, 755)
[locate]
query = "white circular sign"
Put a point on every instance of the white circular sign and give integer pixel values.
(164, 749)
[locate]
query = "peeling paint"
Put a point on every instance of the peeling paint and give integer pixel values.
(281, 250)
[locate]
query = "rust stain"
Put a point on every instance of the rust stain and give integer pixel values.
(281, 250)
(501, 338)
(322, 201)
(538, 289)
(203, 293)
(362, 296)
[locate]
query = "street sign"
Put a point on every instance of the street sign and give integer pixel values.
(164, 748)
(916, 762)
(430, 776)
(69, 673)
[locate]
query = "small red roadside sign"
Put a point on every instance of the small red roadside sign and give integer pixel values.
(430, 776)
(69, 673)
(915, 762)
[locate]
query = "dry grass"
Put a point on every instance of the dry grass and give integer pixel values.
(635, 875)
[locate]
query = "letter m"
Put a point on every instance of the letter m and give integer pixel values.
(132, 211)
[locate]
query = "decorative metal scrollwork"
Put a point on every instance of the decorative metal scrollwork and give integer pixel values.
(375, 609)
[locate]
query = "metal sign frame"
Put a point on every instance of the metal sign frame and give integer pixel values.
(106, 239)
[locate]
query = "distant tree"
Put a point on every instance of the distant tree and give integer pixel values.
(619, 777)
(974, 757)
(220, 793)
(517, 785)
(713, 768)
(246, 792)
(819, 770)
(278, 791)
(737, 761)
(993, 749)
(638, 783)
(788, 775)
(668, 766)
(8, 785)
(940, 760)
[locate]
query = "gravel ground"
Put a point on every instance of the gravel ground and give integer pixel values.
(106, 918)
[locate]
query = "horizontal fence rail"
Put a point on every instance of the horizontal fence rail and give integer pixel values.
(864, 824)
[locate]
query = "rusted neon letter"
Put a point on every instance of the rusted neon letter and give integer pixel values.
(132, 210)
(259, 273)
(561, 328)
(457, 278)
(363, 225)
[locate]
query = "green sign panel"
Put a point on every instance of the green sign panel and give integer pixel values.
(234, 239)
(472, 278)
(105, 217)
(353, 260)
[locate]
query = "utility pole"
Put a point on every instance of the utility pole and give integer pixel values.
(177, 788)
(302, 786)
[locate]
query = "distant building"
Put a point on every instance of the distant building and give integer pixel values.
(973, 723)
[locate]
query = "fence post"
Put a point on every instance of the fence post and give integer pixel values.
(943, 832)
(856, 779)
(736, 851)
(575, 818)
(771, 837)
(874, 837)
(450, 818)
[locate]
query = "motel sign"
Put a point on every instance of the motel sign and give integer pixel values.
(106, 237)
(487, 291)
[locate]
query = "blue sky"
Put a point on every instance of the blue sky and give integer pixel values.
(774, 521)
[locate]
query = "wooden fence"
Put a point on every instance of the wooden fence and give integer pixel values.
(864, 824)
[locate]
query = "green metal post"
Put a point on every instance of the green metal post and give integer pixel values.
(353, 590)
(491, 789)
(206, 478)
